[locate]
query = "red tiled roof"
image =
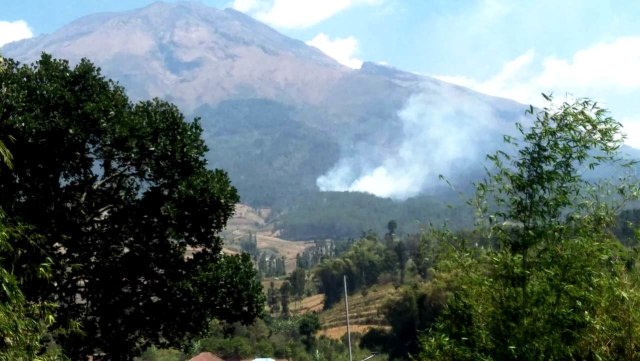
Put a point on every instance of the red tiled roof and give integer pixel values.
(206, 356)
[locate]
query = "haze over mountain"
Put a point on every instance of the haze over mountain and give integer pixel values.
(283, 118)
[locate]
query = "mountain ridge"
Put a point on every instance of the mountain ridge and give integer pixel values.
(278, 114)
(173, 50)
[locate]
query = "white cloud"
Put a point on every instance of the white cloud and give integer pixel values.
(252, 7)
(245, 5)
(296, 13)
(607, 72)
(631, 127)
(14, 30)
(341, 49)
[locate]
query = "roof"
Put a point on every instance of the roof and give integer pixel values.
(206, 356)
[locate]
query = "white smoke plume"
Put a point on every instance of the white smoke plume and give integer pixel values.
(445, 131)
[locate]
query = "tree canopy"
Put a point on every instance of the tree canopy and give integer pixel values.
(119, 192)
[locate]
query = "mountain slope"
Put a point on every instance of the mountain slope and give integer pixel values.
(283, 118)
(190, 53)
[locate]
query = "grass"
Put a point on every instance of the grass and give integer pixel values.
(308, 304)
(338, 332)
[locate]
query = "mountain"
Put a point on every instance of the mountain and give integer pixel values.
(190, 53)
(281, 117)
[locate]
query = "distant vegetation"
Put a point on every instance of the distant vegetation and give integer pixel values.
(339, 215)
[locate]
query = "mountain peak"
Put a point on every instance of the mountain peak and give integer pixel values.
(178, 51)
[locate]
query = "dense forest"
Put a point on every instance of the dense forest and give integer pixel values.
(111, 248)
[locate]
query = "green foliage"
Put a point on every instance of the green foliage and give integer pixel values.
(155, 354)
(412, 310)
(626, 226)
(273, 299)
(322, 249)
(23, 322)
(363, 263)
(308, 325)
(119, 192)
(285, 293)
(250, 245)
(558, 285)
(298, 280)
(270, 265)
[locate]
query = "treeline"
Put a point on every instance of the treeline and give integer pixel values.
(321, 250)
(626, 227)
(365, 263)
(343, 215)
(267, 263)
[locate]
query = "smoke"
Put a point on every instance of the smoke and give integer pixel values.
(446, 130)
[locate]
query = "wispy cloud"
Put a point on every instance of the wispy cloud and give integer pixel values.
(11, 31)
(342, 50)
(296, 13)
(606, 72)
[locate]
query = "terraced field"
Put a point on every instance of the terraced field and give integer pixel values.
(248, 220)
(308, 304)
(364, 311)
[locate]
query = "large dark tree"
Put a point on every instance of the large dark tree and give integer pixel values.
(120, 192)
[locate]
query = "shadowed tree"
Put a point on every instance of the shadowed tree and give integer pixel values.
(119, 192)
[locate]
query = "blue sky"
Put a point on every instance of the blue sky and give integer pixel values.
(514, 49)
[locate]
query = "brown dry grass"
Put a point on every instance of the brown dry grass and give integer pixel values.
(191, 250)
(308, 304)
(288, 249)
(336, 333)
